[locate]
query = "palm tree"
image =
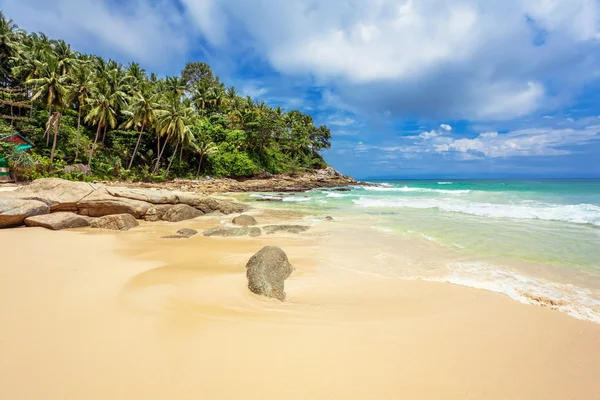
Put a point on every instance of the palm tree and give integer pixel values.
(51, 87)
(102, 114)
(174, 122)
(141, 113)
(201, 96)
(82, 84)
(8, 46)
(203, 149)
(67, 59)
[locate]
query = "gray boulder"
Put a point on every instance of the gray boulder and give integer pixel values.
(13, 212)
(271, 229)
(232, 232)
(329, 218)
(181, 212)
(244, 220)
(58, 221)
(266, 272)
(119, 222)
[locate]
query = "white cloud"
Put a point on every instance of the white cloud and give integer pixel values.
(473, 59)
(526, 142)
(446, 127)
(147, 31)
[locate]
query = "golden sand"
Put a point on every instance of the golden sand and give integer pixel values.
(96, 315)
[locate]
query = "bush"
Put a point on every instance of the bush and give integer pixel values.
(229, 161)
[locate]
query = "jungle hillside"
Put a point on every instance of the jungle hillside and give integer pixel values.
(90, 118)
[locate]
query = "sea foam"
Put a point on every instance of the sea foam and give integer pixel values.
(414, 189)
(575, 301)
(573, 213)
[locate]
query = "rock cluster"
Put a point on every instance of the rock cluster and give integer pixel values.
(76, 200)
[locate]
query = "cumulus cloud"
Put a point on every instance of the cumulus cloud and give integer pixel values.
(145, 31)
(470, 59)
(526, 142)
(446, 127)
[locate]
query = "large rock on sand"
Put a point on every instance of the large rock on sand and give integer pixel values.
(271, 229)
(58, 194)
(13, 212)
(181, 212)
(100, 203)
(160, 196)
(232, 232)
(266, 272)
(244, 220)
(120, 222)
(58, 221)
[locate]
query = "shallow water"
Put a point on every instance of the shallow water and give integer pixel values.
(537, 241)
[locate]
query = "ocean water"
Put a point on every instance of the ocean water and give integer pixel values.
(537, 241)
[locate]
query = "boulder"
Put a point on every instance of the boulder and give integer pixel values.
(231, 232)
(100, 203)
(181, 212)
(269, 199)
(119, 222)
(266, 272)
(58, 194)
(244, 220)
(174, 237)
(342, 190)
(13, 212)
(58, 221)
(187, 232)
(329, 218)
(271, 229)
(156, 213)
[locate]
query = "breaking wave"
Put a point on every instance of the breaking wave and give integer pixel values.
(573, 213)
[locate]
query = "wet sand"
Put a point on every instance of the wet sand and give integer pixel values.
(100, 315)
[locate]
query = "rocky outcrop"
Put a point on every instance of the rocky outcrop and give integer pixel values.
(271, 229)
(94, 200)
(244, 220)
(232, 232)
(119, 222)
(266, 272)
(181, 212)
(321, 178)
(100, 203)
(13, 212)
(58, 221)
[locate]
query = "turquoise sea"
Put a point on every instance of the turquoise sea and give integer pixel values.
(537, 241)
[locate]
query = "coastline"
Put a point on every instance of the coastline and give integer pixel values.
(95, 314)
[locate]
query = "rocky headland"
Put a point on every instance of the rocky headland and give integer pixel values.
(322, 178)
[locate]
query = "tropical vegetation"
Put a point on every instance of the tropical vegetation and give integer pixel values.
(124, 123)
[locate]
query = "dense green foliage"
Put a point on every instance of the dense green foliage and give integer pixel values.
(126, 124)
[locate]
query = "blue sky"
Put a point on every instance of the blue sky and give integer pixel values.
(427, 88)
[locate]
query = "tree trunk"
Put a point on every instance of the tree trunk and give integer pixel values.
(181, 153)
(136, 147)
(12, 121)
(200, 165)
(56, 128)
(104, 134)
(161, 153)
(172, 158)
(93, 145)
(77, 140)
(157, 153)
(47, 133)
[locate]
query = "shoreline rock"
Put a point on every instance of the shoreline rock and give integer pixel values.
(266, 272)
(58, 221)
(52, 195)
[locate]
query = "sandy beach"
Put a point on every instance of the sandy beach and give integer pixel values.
(127, 315)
